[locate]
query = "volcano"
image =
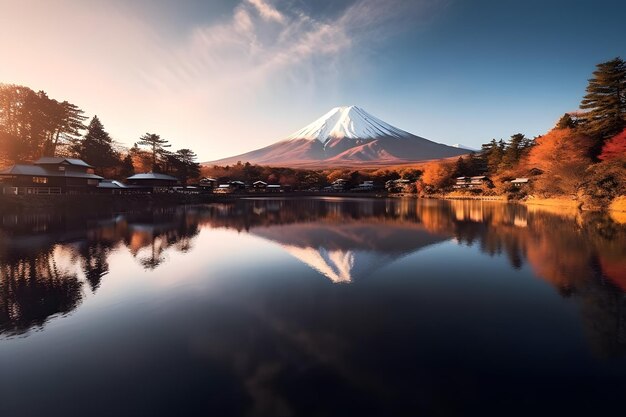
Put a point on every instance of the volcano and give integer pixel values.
(347, 136)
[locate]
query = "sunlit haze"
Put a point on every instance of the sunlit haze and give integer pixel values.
(224, 77)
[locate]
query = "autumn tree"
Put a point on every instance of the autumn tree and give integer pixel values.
(614, 147)
(562, 155)
(566, 122)
(605, 101)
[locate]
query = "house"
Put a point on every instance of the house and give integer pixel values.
(398, 186)
(339, 185)
(207, 184)
(520, 182)
(153, 182)
(231, 187)
(50, 175)
(471, 182)
(273, 188)
(259, 186)
(365, 186)
(113, 187)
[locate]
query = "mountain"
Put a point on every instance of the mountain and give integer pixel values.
(346, 136)
(467, 148)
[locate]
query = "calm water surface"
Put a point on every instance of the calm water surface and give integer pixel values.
(313, 307)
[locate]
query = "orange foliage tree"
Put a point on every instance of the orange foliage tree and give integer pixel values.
(562, 155)
(614, 147)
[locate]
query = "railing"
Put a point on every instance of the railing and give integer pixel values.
(31, 190)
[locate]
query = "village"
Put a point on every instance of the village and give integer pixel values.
(58, 176)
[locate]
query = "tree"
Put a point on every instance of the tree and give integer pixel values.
(562, 156)
(127, 168)
(185, 165)
(96, 148)
(605, 101)
(614, 148)
(157, 147)
(566, 122)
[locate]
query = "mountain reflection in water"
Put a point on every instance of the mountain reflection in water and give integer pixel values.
(51, 263)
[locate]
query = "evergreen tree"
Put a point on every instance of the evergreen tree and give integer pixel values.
(606, 101)
(157, 148)
(96, 148)
(127, 168)
(566, 122)
(185, 165)
(514, 150)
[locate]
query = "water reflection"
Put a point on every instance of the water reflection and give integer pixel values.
(50, 262)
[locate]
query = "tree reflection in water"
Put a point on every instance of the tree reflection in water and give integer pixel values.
(583, 255)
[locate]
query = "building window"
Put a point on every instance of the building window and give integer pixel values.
(93, 182)
(61, 168)
(40, 180)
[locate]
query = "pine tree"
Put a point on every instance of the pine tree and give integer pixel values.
(96, 148)
(565, 122)
(157, 148)
(127, 168)
(185, 165)
(606, 101)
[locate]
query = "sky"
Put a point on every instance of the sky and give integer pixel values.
(224, 77)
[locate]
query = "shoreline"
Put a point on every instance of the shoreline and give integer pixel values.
(96, 202)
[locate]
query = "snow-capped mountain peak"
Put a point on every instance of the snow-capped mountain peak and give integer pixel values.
(350, 122)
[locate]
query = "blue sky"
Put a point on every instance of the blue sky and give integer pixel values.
(224, 77)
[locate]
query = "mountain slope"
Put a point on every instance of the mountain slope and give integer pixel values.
(346, 136)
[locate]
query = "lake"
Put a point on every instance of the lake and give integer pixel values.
(313, 307)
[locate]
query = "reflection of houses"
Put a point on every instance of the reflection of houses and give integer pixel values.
(153, 181)
(520, 182)
(50, 176)
(472, 182)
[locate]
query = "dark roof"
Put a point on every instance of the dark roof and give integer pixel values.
(42, 171)
(49, 160)
(111, 184)
(152, 176)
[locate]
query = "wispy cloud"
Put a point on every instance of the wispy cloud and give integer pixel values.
(225, 72)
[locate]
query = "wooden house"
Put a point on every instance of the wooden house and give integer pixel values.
(153, 182)
(49, 175)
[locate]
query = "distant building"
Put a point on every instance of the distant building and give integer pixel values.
(259, 186)
(520, 182)
(273, 188)
(339, 185)
(50, 175)
(153, 182)
(398, 186)
(472, 182)
(113, 187)
(207, 184)
(365, 186)
(231, 187)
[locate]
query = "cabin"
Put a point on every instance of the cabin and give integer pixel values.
(398, 186)
(50, 175)
(273, 188)
(259, 186)
(471, 182)
(520, 182)
(365, 186)
(207, 184)
(339, 185)
(113, 187)
(153, 182)
(231, 187)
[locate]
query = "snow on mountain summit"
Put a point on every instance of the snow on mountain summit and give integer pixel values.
(350, 122)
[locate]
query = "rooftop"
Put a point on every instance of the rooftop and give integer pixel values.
(50, 160)
(42, 171)
(152, 176)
